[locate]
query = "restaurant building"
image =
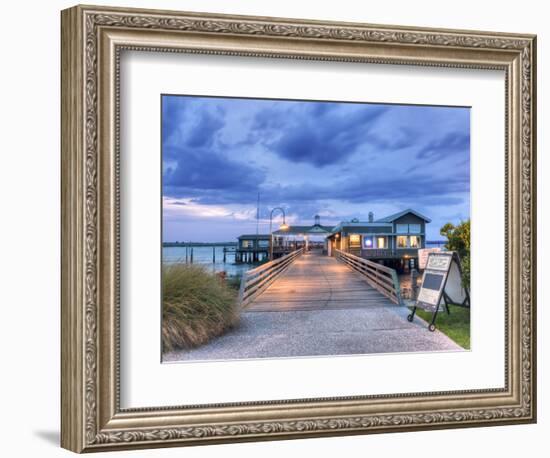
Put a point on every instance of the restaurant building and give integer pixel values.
(295, 237)
(393, 240)
(252, 248)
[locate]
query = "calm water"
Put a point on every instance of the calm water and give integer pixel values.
(203, 255)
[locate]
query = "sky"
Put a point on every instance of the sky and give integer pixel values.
(333, 159)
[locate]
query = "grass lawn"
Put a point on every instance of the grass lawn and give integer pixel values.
(456, 325)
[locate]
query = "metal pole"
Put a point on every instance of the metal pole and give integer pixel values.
(271, 230)
(271, 236)
(214, 255)
(258, 216)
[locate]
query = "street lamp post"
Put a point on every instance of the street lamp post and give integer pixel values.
(283, 227)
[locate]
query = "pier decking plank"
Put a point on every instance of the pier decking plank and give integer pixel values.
(317, 282)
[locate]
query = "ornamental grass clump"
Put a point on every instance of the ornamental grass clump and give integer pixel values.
(197, 306)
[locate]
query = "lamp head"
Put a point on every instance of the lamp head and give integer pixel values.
(283, 227)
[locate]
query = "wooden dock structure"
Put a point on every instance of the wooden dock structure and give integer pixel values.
(312, 281)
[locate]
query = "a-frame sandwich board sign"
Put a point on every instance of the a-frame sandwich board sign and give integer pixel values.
(441, 285)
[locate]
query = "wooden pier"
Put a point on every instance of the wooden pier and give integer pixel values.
(312, 281)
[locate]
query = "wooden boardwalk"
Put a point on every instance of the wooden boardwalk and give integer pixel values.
(324, 308)
(317, 282)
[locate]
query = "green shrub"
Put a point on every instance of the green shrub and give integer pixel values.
(458, 239)
(197, 306)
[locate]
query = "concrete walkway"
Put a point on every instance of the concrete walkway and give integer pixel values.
(359, 323)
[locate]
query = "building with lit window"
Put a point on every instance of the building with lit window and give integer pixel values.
(255, 247)
(309, 237)
(393, 240)
(252, 248)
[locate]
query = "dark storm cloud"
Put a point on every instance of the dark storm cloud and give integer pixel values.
(199, 164)
(203, 134)
(450, 143)
(173, 113)
(312, 157)
(399, 187)
(416, 188)
(420, 191)
(199, 169)
(182, 126)
(320, 133)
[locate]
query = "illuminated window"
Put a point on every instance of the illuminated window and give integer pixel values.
(402, 228)
(414, 241)
(247, 243)
(414, 228)
(355, 240)
(402, 241)
(368, 242)
(381, 242)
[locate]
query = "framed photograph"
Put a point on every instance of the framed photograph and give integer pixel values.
(278, 228)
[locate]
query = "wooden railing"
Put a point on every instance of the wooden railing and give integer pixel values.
(255, 281)
(382, 278)
(389, 253)
(380, 253)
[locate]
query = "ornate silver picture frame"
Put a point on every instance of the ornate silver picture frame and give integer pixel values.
(93, 39)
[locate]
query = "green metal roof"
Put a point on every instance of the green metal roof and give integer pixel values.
(356, 226)
(391, 218)
(315, 229)
(359, 226)
(254, 236)
(366, 227)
